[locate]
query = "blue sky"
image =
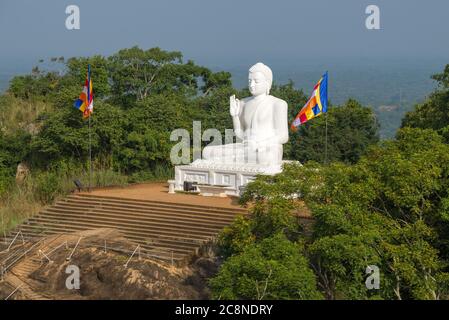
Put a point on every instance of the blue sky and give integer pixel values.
(219, 32)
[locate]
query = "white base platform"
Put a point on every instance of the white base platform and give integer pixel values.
(222, 174)
(207, 190)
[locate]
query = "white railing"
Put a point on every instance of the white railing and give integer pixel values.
(165, 254)
(137, 248)
(15, 238)
(5, 269)
(15, 290)
(47, 255)
(73, 251)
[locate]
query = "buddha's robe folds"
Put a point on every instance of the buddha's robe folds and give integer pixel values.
(264, 129)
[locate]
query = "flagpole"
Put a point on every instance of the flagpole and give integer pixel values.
(90, 136)
(325, 144)
(327, 103)
(90, 157)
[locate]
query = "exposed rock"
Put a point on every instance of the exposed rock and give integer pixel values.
(21, 173)
(32, 129)
(103, 274)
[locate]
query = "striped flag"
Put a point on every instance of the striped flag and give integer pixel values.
(315, 106)
(85, 103)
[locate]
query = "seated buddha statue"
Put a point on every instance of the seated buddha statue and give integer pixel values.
(260, 123)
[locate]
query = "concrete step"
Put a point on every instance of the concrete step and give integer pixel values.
(24, 288)
(161, 203)
(126, 224)
(30, 234)
(128, 221)
(101, 222)
(52, 229)
(136, 204)
(34, 231)
(145, 248)
(138, 217)
(188, 215)
(159, 247)
(172, 232)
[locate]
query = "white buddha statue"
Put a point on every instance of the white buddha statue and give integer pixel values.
(259, 121)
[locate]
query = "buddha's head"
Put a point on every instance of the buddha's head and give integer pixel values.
(260, 79)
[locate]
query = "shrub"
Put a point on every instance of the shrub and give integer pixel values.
(272, 269)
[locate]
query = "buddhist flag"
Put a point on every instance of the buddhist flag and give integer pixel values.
(85, 103)
(316, 105)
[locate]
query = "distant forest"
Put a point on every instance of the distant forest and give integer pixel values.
(389, 88)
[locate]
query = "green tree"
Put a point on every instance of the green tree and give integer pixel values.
(13, 149)
(63, 135)
(38, 84)
(214, 81)
(267, 218)
(271, 269)
(137, 73)
(433, 113)
(388, 210)
(351, 129)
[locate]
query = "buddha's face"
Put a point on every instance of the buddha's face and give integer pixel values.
(257, 83)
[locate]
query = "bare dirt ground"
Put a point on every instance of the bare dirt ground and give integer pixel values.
(159, 192)
(103, 274)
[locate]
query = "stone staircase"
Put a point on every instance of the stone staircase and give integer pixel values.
(172, 232)
(22, 261)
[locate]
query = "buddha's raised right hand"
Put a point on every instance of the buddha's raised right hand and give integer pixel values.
(234, 106)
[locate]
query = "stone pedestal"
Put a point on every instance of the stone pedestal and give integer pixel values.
(171, 186)
(221, 174)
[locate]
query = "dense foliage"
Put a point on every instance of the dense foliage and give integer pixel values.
(350, 129)
(389, 209)
(274, 268)
(434, 112)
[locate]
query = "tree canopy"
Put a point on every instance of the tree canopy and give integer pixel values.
(388, 210)
(433, 113)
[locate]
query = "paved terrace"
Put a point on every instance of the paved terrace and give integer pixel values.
(159, 192)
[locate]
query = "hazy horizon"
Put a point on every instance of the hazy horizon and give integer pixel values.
(299, 40)
(225, 32)
(375, 83)
(292, 37)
